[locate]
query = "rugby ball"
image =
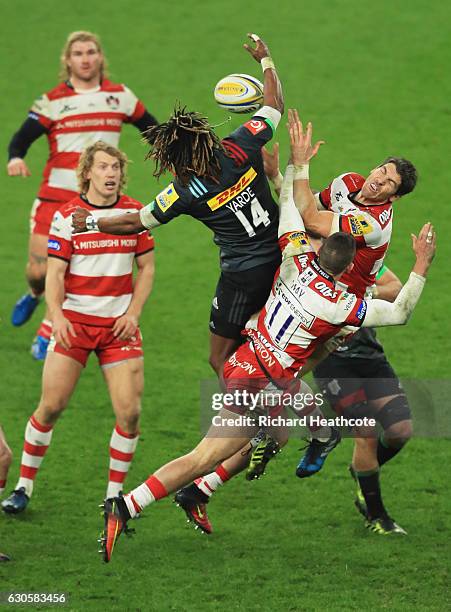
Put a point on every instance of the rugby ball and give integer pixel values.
(239, 93)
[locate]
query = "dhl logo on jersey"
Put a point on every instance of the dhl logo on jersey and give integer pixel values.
(166, 198)
(225, 196)
(299, 239)
(359, 226)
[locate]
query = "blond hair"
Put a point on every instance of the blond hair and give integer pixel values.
(87, 160)
(80, 36)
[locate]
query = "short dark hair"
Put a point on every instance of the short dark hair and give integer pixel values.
(185, 143)
(406, 171)
(337, 252)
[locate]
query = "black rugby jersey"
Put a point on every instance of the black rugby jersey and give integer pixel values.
(363, 344)
(240, 209)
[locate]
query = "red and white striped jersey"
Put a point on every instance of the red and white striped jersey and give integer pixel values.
(305, 309)
(74, 120)
(99, 278)
(371, 227)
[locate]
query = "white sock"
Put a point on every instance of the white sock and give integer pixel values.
(209, 483)
(138, 499)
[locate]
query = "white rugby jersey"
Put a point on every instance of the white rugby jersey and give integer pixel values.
(98, 284)
(74, 120)
(305, 309)
(371, 226)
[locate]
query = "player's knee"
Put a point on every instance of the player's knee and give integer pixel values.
(128, 420)
(395, 419)
(399, 434)
(49, 409)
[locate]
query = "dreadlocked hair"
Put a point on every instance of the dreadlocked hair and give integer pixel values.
(185, 144)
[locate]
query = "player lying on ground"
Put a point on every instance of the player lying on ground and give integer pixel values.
(223, 185)
(85, 107)
(305, 309)
(358, 206)
(6, 457)
(95, 306)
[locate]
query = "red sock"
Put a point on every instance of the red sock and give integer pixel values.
(45, 329)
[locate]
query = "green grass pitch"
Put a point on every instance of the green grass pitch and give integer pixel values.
(374, 79)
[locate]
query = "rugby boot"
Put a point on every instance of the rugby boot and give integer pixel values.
(116, 515)
(194, 503)
(262, 453)
(39, 348)
(23, 309)
(316, 454)
(16, 502)
(384, 525)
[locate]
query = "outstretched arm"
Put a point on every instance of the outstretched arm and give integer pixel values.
(320, 222)
(380, 312)
(129, 223)
(289, 219)
(273, 95)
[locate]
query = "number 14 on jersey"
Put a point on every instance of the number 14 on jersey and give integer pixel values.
(259, 216)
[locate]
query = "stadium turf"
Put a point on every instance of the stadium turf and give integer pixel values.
(374, 80)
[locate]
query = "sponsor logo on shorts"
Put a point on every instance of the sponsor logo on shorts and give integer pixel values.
(255, 126)
(361, 311)
(167, 197)
(55, 245)
(225, 196)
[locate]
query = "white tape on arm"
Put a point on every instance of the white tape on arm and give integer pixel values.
(290, 220)
(268, 112)
(91, 224)
(267, 63)
(147, 218)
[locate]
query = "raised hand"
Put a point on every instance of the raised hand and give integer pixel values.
(424, 245)
(261, 49)
(302, 149)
